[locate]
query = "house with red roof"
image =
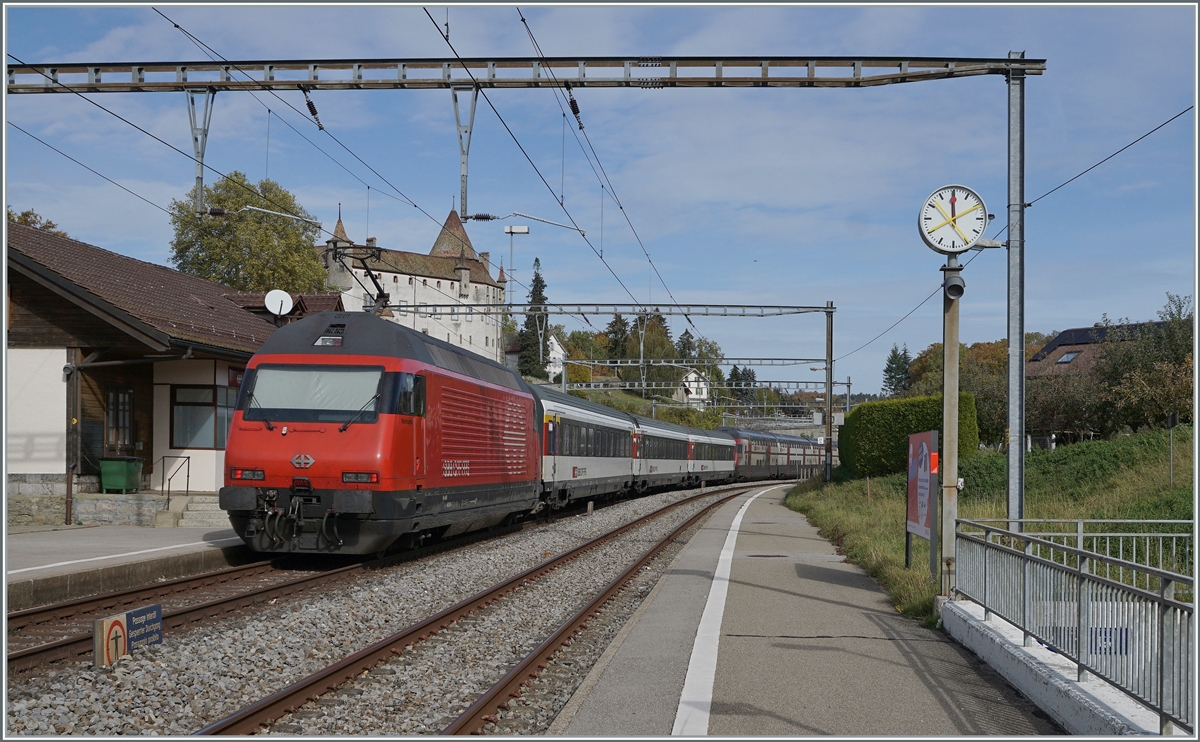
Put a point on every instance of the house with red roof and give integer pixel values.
(110, 357)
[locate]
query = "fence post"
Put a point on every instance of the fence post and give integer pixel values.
(1026, 598)
(1166, 658)
(987, 606)
(1083, 643)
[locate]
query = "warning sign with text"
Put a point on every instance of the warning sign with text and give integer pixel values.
(116, 636)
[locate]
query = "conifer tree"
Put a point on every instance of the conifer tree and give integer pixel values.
(535, 348)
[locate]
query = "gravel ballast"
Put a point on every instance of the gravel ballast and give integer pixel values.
(206, 673)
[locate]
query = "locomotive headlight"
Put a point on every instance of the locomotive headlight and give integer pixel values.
(246, 474)
(368, 477)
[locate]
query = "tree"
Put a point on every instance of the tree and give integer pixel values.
(895, 371)
(617, 335)
(247, 250)
(686, 345)
(535, 348)
(30, 218)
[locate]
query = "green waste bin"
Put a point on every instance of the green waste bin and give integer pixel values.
(120, 473)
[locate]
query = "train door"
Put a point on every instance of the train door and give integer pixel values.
(412, 402)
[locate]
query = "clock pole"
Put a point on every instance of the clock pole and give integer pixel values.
(953, 287)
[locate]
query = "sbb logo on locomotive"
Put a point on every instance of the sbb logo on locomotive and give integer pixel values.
(456, 468)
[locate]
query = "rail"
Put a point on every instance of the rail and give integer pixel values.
(1133, 632)
(164, 482)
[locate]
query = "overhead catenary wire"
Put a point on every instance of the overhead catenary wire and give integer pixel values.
(1005, 228)
(574, 106)
(283, 209)
(536, 170)
(102, 175)
(214, 55)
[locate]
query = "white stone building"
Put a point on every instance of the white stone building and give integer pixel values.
(557, 353)
(451, 273)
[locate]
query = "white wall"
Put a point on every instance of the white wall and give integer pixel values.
(207, 465)
(36, 409)
(481, 335)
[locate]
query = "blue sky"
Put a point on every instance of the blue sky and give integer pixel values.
(775, 196)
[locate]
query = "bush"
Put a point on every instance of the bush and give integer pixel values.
(874, 439)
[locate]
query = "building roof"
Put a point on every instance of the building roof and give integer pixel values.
(428, 266)
(1089, 335)
(453, 240)
(303, 304)
(157, 304)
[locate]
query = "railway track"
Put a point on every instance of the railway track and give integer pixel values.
(483, 711)
(62, 632)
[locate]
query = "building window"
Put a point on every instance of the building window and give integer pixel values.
(368, 302)
(454, 313)
(118, 424)
(395, 279)
(439, 284)
(410, 280)
(201, 415)
(1069, 356)
(403, 308)
(424, 309)
(436, 312)
(424, 281)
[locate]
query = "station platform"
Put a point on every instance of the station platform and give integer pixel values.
(759, 627)
(47, 564)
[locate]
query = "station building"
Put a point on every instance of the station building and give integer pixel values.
(451, 273)
(109, 356)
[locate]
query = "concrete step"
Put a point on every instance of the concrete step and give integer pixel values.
(204, 519)
(205, 506)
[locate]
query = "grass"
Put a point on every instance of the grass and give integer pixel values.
(1123, 478)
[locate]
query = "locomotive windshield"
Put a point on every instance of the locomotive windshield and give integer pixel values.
(296, 393)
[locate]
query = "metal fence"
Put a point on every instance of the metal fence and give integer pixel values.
(1123, 621)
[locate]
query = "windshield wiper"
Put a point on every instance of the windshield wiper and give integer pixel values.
(361, 410)
(254, 403)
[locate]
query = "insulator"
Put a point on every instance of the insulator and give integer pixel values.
(483, 217)
(574, 107)
(312, 108)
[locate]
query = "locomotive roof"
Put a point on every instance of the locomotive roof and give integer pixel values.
(363, 333)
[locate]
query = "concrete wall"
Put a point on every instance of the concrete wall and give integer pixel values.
(36, 410)
(40, 499)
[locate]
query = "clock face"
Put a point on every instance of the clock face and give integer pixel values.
(952, 219)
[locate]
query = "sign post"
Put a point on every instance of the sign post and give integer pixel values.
(922, 497)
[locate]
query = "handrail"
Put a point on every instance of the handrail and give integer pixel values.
(1135, 637)
(164, 481)
(1079, 552)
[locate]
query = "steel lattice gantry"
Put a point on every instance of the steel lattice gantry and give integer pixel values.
(509, 72)
(768, 385)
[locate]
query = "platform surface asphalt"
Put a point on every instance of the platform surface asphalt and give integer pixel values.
(809, 645)
(40, 553)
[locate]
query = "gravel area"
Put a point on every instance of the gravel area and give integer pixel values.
(203, 674)
(429, 685)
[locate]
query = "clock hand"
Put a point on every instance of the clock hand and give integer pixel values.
(931, 230)
(950, 220)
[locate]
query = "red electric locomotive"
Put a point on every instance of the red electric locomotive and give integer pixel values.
(352, 432)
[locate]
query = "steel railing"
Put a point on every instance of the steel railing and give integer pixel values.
(165, 481)
(1166, 545)
(1116, 619)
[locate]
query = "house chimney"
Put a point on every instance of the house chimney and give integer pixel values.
(370, 242)
(485, 258)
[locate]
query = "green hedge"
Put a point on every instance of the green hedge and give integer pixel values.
(874, 439)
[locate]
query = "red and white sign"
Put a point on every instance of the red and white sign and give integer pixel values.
(922, 482)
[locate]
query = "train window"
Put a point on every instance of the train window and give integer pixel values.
(410, 395)
(591, 441)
